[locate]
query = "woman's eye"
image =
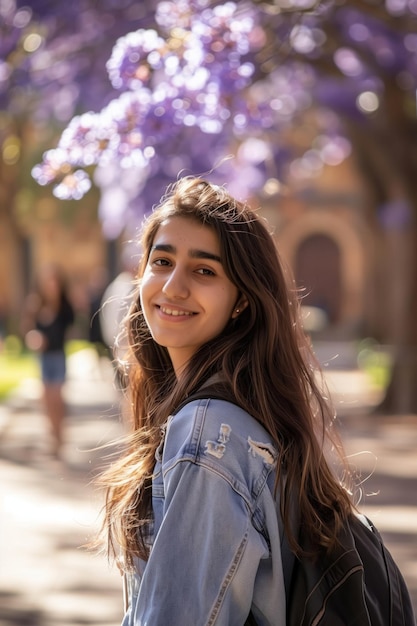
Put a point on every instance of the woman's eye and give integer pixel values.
(205, 271)
(160, 262)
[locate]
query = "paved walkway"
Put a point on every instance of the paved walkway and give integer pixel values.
(49, 509)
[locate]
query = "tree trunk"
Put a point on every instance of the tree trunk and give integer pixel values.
(391, 176)
(401, 395)
(14, 283)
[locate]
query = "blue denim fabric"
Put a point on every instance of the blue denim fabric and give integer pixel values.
(53, 366)
(216, 550)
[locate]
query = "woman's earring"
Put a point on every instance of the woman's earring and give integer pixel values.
(237, 311)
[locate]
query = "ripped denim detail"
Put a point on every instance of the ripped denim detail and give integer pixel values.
(218, 448)
(265, 450)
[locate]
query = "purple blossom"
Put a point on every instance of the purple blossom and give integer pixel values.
(73, 186)
(134, 58)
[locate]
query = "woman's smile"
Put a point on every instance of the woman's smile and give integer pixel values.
(174, 312)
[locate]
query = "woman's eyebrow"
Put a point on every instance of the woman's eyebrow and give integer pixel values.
(164, 247)
(194, 253)
(202, 254)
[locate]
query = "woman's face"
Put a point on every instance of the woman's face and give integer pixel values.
(49, 285)
(186, 297)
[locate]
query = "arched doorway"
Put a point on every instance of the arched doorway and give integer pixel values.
(318, 273)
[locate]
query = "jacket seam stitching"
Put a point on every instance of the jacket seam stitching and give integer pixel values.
(231, 571)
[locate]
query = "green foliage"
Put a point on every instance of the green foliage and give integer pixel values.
(15, 365)
(376, 361)
(76, 345)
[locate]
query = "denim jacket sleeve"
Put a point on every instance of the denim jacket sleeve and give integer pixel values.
(208, 546)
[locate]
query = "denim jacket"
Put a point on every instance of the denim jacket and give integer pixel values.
(216, 545)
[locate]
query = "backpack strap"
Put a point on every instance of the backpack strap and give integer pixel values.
(216, 391)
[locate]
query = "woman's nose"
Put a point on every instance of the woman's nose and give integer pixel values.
(176, 284)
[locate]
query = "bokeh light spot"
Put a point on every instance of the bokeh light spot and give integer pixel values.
(368, 101)
(32, 42)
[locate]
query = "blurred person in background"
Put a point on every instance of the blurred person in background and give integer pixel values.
(47, 316)
(115, 304)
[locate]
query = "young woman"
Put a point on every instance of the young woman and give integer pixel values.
(46, 319)
(206, 502)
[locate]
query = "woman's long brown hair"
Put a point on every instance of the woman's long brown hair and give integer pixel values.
(264, 358)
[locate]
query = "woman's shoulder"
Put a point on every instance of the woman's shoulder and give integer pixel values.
(206, 413)
(216, 430)
(224, 411)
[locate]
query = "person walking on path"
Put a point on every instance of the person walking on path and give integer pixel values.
(199, 502)
(47, 316)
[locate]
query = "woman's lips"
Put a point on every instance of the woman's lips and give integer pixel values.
(174, 312)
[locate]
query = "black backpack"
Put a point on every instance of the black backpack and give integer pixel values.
(358, 584)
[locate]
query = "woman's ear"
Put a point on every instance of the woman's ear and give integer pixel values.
(240, 306)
